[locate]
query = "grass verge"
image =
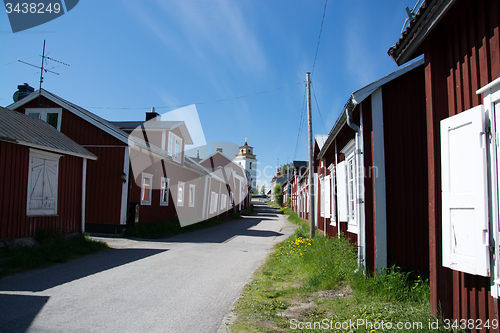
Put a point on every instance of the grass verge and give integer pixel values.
(53, 249)
(173, 227)
(313, 285)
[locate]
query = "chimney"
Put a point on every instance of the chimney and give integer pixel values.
(219, 150)
(22, 91)
(152, 115)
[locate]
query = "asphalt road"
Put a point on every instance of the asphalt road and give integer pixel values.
(185, 283)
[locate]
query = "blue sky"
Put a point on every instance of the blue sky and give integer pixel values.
(127, 56)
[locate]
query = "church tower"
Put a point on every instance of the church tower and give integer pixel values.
(247, 160)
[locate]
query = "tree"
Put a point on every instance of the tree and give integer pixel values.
(263, 189)
(284, 167)
(278, 194)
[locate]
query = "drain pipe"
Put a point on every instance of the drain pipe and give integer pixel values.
(359, 180)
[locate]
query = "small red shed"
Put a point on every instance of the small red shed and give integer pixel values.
(373, 173)
(42, 178)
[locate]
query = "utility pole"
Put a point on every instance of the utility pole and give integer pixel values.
(311, 160)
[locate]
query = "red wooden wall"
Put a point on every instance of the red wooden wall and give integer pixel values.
(14, 165)
(405, 144)
(462, 54)
(104, 185)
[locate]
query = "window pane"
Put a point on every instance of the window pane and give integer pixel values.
(53, 119)
(145, 185)
(191, 195)
(164, 191)
(170, 145)
(34, 115)
(177, 149)
(180, 193)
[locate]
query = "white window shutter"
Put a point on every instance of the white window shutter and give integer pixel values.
(333, 203)
(464, 193)
(326, 184)
(35, 194)
(50, 187)
(341, 191)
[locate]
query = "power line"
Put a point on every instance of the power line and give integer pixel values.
(319, 38)
(300, 125)
(200, 103)
(317, 105)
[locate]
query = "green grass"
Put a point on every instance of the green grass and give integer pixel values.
(173, 227)
(248, 211)
(54, 248)
(306, 281)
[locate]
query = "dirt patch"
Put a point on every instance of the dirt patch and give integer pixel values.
(345, 291)
(301, 308)
(296, 311)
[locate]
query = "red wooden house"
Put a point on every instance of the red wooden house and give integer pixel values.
(237, 179)
(460, 41)
(371, 170)
(107, 194)
(116, 193)
(42, 178)
(166, 184)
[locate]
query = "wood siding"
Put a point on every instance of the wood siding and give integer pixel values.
(14, 223)
(462, 54)
(405, 143)
(104, 185)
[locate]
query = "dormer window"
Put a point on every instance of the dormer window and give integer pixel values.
(174, 147)
(51, 116)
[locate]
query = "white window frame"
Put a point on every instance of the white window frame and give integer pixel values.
(144, 177)
(180, 194)
(327, 196)
(322, 196)
(192, 195)
(491, 106)
(223, 201)
(173, 141)
(164, 189)
(43, 114)
(214, 197)
(333, 204)
(49, 169)
(341, 176)
(352, 180)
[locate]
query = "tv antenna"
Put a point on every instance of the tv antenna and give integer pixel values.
(45, 59)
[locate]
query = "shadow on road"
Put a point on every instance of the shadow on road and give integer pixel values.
(247, 226)
(45, 278)
(13, 305)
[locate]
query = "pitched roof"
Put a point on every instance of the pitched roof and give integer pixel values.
(359, 96)
(21, 129)
(156, 125)
(92, 118)
(320, 139)
(409, 44)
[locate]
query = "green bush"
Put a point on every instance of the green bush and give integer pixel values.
(289, 203)
(278, 194)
